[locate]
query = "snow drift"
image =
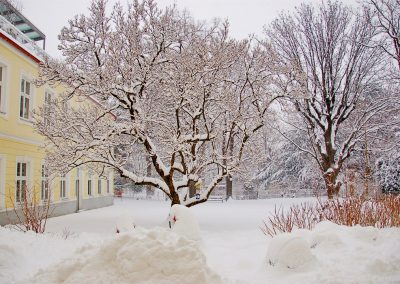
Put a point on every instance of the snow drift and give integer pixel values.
(183, 222)
(289, 251)
(332, 253)
(142, 256)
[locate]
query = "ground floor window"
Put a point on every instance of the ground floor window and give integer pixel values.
(44, 195)
(63, 185)
(99, 186)
(22, 181)
(89, 184)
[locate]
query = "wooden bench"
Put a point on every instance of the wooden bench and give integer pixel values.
(218, 198)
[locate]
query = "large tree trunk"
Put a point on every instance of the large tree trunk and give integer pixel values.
(331, 183)
(229, 185)
(174, 198)
(229, 182)
(149, 190)
(192, 188)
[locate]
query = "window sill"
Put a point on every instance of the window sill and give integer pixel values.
(25, 121)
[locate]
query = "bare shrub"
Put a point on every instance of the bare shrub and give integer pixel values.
(31, 214)
(66, 233)
(379, 211)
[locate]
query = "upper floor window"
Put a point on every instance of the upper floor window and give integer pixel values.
(1, 86)
(48, 96)
(26, 98)
(3, 71)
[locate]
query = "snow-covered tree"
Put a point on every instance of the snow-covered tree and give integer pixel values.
(388, 172)
(179, 91)
(326, 53)
(384, 16)
(284, 164)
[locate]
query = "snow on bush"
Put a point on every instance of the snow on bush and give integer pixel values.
(141, 256)
(287, 250)
(183, 222)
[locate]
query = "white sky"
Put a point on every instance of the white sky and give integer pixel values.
(245, 16)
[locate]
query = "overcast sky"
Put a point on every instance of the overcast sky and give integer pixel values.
(245, 16)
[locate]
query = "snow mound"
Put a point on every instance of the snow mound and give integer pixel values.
(141, 256)
(183, 222)
(335, 254)
(124, 223)
(290, 251)
(9, 258)
(327, 234)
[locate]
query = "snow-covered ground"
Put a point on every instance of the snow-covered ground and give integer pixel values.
(84, 248)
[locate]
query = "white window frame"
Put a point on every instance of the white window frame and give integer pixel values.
(99, 186)
(2, 181)
(44, 183)
(4, 88)
(27, 178)
(26, 113)
(49, 96)
(90, 184)
(63, 186)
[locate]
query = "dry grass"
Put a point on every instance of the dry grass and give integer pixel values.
(380, 211)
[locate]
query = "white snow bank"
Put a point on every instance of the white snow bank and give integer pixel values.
(287, 250)
(142, 256)
(232, 242)
(23, 254)
(124, 223)
(183, 222)
(335, 254)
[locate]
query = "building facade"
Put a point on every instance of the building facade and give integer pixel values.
(22, 157)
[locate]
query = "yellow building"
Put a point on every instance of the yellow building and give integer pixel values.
(21, 154)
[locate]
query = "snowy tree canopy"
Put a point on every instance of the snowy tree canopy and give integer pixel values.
(179, 91)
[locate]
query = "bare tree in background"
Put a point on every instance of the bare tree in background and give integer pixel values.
(178, 90)
(384, 15)
(325, 53)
